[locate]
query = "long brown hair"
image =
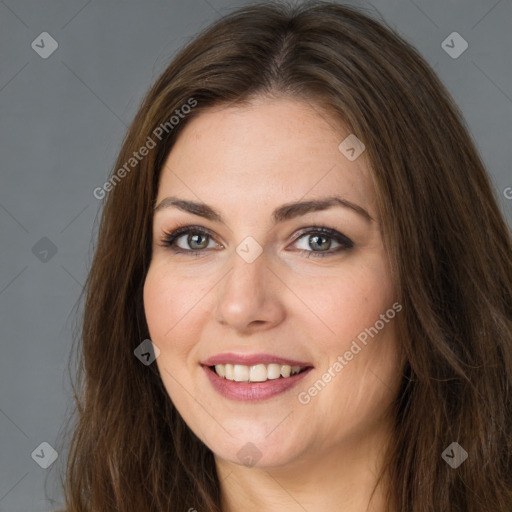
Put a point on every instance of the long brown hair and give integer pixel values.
(448, 246)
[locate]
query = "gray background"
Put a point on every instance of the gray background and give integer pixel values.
(62, 120)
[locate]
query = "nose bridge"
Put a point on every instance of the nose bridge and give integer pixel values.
(248, 262)
(247, 294)
(247, 279)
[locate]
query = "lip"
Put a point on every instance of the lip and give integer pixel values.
(251, 359)
(253, 391)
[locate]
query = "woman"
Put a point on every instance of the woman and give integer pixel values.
(301, 293)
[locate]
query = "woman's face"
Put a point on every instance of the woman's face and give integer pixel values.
(264, 291)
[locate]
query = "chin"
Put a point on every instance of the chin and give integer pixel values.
(257, 451)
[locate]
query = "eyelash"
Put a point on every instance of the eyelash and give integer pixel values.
(169, 239)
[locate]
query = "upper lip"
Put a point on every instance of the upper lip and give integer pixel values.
(251, 359)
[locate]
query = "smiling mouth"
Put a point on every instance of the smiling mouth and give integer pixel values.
(257, 372)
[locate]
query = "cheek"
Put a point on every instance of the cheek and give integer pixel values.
(166, 315)
(171, 320)
(353, 300)
(159, 302)
(171, 304)
(366, 343)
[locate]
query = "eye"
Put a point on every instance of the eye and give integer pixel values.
(195, 239)
(320, 241)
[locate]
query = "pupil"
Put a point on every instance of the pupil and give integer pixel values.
(315, 240)
(193, 240)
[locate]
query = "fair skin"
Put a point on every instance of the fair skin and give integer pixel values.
(245, 161)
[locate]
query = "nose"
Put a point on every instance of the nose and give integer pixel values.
(250, 296)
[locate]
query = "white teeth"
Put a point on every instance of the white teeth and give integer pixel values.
(255, 373)
(258, 373)
(273, 371)
(240, 373)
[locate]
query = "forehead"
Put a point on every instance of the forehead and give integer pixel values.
(263, 152)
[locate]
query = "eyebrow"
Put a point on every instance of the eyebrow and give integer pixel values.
(283, 213)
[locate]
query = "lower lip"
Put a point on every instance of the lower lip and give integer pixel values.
(252, 391)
